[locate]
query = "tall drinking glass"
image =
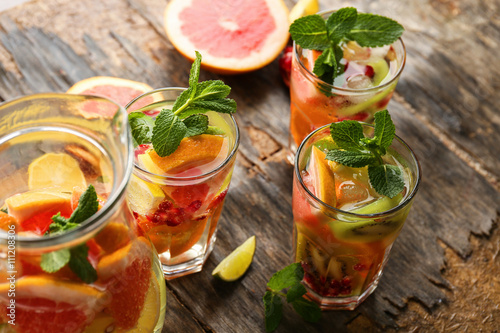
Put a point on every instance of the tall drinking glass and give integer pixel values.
(178, 199)
(370, 77)
(101, 276)
(343, 244)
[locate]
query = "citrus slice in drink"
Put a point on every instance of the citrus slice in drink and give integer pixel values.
(193, 151)
(232, 37)
(126, 274)
(303, 8)
(112, 237)
(322, 175)
(34, 209)
(55, 170)
(7, 222)
(237, 263)
(61, 306)
(143, 197)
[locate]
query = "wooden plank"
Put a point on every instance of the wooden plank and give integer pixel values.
(453, 202)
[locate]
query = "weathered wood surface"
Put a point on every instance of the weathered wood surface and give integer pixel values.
(445, 108)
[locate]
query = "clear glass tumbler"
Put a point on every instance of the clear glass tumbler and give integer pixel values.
(52, 146)
(372, 77)
(342, 252)
(179, 210)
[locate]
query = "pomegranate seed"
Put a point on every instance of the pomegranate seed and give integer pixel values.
(346, 290)
(285, 63)
(359, 267)
(194, 206)
(165, 205)
(346, 282)
(369, 71)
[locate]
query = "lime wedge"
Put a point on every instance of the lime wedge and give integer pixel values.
(236, 264)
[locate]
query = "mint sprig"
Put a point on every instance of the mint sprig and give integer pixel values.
(186, 117)
(357, 151)
(289, 277)
(368, 30)
(75, 257)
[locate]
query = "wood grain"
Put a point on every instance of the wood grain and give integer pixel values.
(49, 45)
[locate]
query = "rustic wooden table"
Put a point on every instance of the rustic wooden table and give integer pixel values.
(443, 274)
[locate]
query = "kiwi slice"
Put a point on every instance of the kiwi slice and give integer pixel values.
(381, 69)
(369, 230)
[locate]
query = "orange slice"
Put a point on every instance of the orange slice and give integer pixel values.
(25, 205)
(322, 177)
(192, 152)
(232, 37)
(6, 221)
(46, 305)
(112, 237)
(55, 170)
(126, 274)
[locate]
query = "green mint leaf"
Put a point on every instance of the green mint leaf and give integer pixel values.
(384, 129)
(347, 134)
(53, 261)
(374, 30)
(273, 310)
(80, 265)
(212, 89)
(308, 310)
(214, 130)
(350, 158)
(386, 179)
(295, 292)
(225, 105)
(340, 23)
(182, 101)
(87, 206)
(141, 127)
(4, 210)
(325, 64)
(194, 74)
(287, 277)
(310, 32)
(196, 124)
(168, 132)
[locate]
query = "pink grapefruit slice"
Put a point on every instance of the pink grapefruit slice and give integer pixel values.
(119, 90)
(233, 37)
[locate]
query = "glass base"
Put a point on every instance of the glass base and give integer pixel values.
(340, 303)
(292, 149)
(190, 262)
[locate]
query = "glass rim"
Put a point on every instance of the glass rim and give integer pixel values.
(311, 76)
(207, 174)
(95, 221)
(400, 206)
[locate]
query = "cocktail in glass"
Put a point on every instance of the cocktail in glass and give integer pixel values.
(344, 229)
(101, 276)
(178, 199)
(369, 79)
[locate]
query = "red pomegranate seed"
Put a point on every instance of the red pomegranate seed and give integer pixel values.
(369, 71)
(346, 282)
(359, 267)
(194, 206)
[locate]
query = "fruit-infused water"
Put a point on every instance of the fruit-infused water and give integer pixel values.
(344, 229)
(103, 275)
(178, 199)
(366, 86)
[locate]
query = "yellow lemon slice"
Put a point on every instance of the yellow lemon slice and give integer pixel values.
(236, 264)
(143, 197)
(303, 8)
(55, 170)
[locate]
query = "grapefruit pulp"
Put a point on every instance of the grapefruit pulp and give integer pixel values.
(233, 37)
(119, 90)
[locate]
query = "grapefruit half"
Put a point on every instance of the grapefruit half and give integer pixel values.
(119, 90)
(232, 36)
